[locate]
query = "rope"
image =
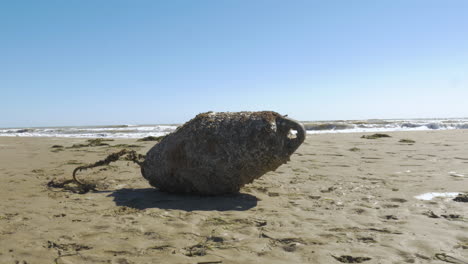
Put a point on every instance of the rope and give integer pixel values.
(129, 155)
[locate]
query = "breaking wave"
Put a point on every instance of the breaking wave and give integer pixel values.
(312, 127)
(120, 131)
(377, 125)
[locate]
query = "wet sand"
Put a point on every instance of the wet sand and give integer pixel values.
(341, 199)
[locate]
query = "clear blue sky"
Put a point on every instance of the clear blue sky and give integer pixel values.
(85, 62)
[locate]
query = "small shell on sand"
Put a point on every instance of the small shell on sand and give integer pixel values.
(431, 195)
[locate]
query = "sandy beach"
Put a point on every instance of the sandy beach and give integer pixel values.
(341, 199)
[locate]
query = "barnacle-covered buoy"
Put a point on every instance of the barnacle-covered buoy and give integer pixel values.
(218, 153)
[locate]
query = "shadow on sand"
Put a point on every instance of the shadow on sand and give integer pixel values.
(152, 198)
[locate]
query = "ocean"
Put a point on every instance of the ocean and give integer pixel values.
(312, 127)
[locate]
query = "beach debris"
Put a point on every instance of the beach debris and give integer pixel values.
(200, 249)
(407, 141)
(431, 195)
(455, 174)
(97, 142)
(398, 200)
(218, 221)
(8, 216)
(273, 194)
(81, 187)
(122, 210)
(212, 154)
(462, 197)
(129, 155)
(452, 216)
(449, 259)
(431, 214)
(56, 148)
(351, 259)
(72, 185)
(288, 244)
(64, 250)
(367, 240)
(218, 153)
(462, 244)
(126, 146)
(375, 136)
(329, 189)
(354, 149)
(151, 138)
(195, 250)
(67, 247)
(390, 217)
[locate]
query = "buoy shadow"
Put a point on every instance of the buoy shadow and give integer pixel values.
(152, 198)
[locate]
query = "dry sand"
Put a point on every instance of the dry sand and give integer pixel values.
(328, 202)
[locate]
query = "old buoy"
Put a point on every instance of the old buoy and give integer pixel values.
(218, 153)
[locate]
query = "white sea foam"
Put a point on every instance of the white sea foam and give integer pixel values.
(431, 195)
(312, 127)
(91, 132)
(362, 126)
